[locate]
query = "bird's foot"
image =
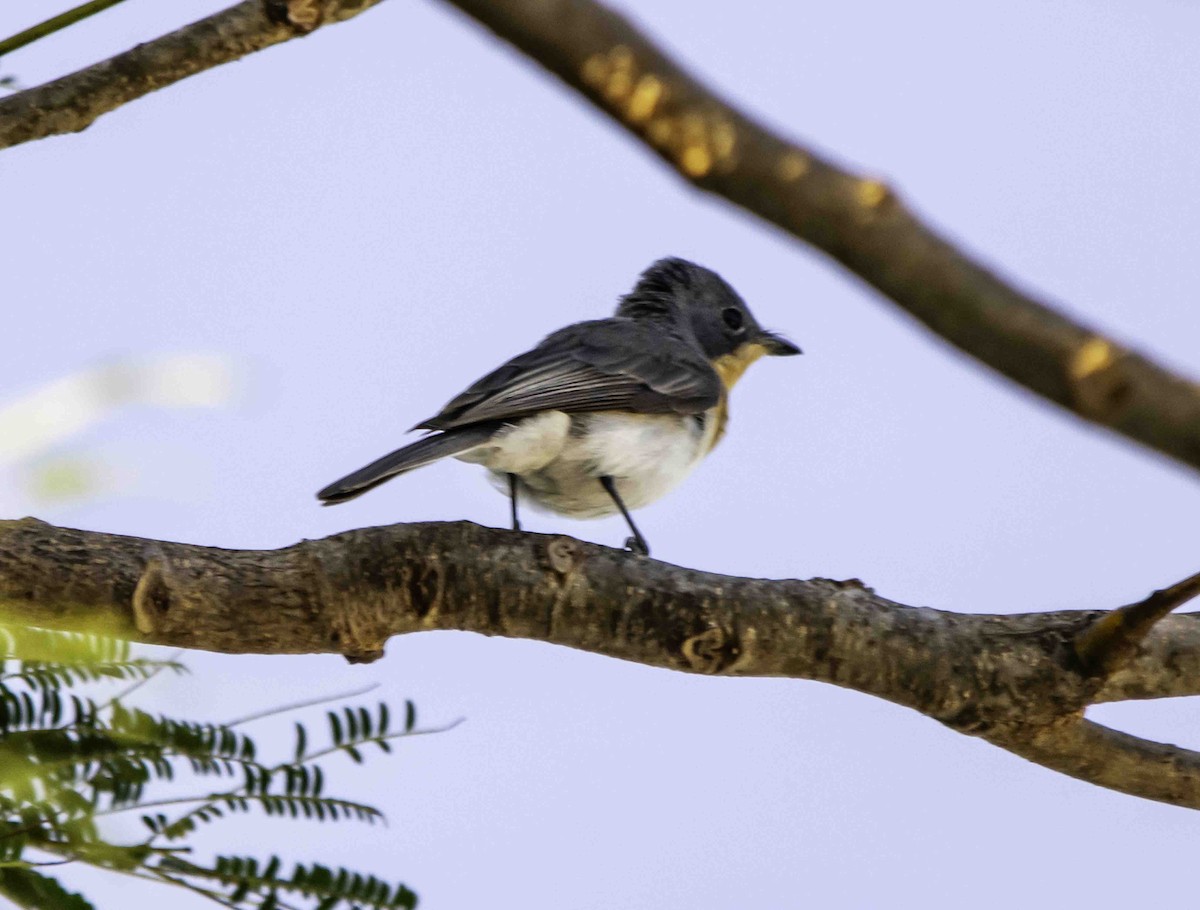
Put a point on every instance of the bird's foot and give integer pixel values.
(637, 545)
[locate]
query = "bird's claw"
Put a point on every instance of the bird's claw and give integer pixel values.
(637, 545)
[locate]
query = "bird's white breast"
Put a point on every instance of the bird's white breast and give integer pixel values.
(559, 459)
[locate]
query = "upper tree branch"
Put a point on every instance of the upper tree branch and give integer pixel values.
(72, 103)
(1014, 680)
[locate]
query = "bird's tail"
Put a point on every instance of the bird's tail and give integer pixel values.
(416, 455)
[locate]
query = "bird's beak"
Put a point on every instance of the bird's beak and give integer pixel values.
(777, 345)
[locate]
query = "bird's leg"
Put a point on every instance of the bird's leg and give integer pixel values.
(512, 494)
(636, 543)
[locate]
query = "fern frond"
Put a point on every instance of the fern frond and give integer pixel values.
(302, 785)
(22, 709)
(183, 737)
(217, 806)
(353, 727)
(61, 814)
(115, 765)
(66, 760)
(44, 675)
(329, 886)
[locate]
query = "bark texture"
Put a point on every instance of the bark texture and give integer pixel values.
(1017, 681)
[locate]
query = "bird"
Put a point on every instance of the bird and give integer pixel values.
(602, 416)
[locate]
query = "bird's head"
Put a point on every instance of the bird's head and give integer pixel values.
(701, 303)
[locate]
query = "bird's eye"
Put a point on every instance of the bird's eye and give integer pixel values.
(733, 318)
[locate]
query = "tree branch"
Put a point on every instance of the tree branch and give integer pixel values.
(1013, 680)
(858, 221)
(1166, 665)
(72, 103)
(1109, 758)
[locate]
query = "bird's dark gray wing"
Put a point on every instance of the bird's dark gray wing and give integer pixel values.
(607, 364)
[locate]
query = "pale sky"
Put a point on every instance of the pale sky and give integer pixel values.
(367, 220)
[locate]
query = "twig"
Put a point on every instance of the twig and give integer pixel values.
(298, 705)
(425, 731)
(1114, 638)
(54, 24)
(73, 103)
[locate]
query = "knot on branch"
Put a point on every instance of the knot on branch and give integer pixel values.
(423, 582)
(303, 16)
(363, 657)
(359, 636)
(152, 597)
(1099, 387)
(855, 584)
(564, 554)
(716, 651)
(696, 139)
(874, 198)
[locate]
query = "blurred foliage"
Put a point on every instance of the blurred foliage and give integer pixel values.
(69, 760)
(38, 426)
(66, 479)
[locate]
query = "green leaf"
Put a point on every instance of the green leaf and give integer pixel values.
(383, 718)
(35, 891)
(335, 727)
(301, 740)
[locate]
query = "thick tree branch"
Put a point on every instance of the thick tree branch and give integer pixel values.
(858, 221)
(72, 103)
(1021, 681)
(1013, 680)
